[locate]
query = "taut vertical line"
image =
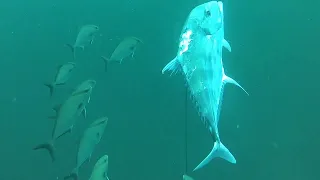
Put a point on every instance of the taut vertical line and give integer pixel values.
(186, 131)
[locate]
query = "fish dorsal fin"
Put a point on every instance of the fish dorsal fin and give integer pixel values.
(226, 44)
(227, 79)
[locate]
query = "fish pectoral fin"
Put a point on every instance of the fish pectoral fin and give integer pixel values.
(105, 175)
(66, 132)
(89, 158)
(173, 66)
(227, 79)
(226, 44)
(84, 112)
(81, 92)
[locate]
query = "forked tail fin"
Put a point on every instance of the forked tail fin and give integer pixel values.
(218, 150)
(106, 61)
(227, 79)
(51, 87)
(72, 50)
(49, 147)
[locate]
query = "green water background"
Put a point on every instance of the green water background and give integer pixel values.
(273, 133)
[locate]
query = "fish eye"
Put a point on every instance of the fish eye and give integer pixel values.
(207, 13)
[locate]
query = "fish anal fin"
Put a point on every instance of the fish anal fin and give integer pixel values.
(227, 79)
(226, 44)
(173, 66)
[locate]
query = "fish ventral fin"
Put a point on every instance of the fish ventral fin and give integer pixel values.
(226, 44)
(218, 150)
(173, 66)
(227, 79)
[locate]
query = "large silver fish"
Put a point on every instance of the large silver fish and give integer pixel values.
(88, 142)
(100, 169)
(199, 58)
(62, 76)
(85, 37)
(66, 115)
(125, 49)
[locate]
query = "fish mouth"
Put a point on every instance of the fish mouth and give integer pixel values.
(103, 120)
(91, 84)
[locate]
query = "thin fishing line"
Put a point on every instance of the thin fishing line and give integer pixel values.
(186, 131)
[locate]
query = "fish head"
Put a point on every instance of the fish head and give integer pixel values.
(85, 87)
(70, 66)
(100, 122)
(208, 17)
(91, 83)
(103, 161)
(92, 27)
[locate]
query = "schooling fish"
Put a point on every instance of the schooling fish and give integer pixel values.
(199, 58)
(100, 169)
(125, 49)
(88, 142)
(85, 37)
(62, 76)
(66, 115)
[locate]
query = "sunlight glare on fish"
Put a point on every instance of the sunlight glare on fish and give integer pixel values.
(186, 41)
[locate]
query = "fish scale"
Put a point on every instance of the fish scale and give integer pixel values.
(199, 59)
